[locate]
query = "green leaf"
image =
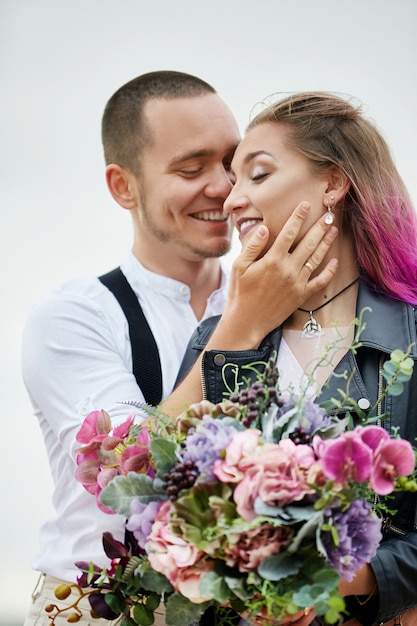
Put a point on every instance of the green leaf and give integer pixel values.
(153, 601)
(213, 586)
(327, 578)
(180, 611)
(395, 389)
(164, 452)
(389, 369)
(279, 566)
(122, 489)
(307, 530)
(238, 587)
(142, 615)
(154, 581)
(115, 603)
(397, 356)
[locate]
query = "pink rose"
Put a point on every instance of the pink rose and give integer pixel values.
(243, 444)
(188, 580)
(246, 493)
(249, 549)
(171, 555)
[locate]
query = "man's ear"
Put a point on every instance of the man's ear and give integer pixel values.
(122, 186)
(337, 187)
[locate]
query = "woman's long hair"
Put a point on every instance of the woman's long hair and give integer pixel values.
(377, 209)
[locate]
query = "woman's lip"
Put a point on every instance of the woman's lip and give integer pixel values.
(244, 225)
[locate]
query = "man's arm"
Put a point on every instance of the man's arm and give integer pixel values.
(74, 360)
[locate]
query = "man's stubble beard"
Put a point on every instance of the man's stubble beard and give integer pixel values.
(166, 237)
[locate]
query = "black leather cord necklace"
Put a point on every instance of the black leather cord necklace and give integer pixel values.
(312, 327)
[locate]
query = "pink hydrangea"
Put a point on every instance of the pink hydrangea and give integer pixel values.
(276, 473)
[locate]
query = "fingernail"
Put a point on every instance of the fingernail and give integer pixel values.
(261, 232)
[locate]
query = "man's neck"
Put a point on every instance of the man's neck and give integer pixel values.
(203, 276)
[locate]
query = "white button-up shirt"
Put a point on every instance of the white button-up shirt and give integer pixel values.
(77, 358)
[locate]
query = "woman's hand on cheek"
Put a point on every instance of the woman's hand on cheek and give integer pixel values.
(265, 290)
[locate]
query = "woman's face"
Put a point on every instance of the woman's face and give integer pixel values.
(271, 180)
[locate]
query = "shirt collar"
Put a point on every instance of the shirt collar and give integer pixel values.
(141, 278)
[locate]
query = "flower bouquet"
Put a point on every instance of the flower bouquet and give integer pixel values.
(260, 504)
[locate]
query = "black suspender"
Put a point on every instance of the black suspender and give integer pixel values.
(145, 356)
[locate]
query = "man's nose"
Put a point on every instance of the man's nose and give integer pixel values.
(220, 184)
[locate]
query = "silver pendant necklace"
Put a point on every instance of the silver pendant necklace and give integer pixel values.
(312, 328)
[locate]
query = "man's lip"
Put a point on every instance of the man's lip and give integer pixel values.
(211, 215)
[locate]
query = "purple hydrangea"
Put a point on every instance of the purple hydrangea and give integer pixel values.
(359, 532)
(141, 520)
(205, 444)
(314, 418)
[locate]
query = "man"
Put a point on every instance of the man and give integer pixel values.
(168, 141)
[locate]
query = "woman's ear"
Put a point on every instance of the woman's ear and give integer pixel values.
(337, 187)
(122, 186)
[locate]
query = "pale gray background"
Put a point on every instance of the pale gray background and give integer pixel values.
(59, 63)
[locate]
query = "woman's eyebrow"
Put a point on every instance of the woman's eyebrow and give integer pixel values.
(252, 155)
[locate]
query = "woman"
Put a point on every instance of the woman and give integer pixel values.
(318, 151)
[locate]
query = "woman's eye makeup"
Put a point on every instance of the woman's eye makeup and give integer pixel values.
(258, 173)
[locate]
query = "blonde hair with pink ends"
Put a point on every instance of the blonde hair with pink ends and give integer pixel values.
(331, 130)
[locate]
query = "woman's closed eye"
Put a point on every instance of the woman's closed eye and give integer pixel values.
(259, 173)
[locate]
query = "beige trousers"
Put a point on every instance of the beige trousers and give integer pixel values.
(43, 595)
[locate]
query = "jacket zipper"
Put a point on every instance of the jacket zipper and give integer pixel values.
(203, 380)
(379, 420)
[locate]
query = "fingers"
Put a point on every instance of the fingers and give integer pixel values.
(308, 253)
(313, 247)
(254, 247)
(319, 282)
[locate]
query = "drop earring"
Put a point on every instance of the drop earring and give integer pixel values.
(329, 219)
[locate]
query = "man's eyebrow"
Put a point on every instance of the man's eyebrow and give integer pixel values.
(188, 156)
(198, 154)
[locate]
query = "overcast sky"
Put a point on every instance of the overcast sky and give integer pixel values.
(60, 60)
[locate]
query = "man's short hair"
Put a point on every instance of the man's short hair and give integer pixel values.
(125, 132)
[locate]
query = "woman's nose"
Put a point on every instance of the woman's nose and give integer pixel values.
(235, 200)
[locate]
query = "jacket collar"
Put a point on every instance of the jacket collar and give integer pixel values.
(389, 324)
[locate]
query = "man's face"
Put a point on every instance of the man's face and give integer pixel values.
(185, 176)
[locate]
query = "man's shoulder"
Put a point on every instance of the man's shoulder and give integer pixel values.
(81, 297)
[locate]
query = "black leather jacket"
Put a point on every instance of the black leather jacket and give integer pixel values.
(390, 325)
